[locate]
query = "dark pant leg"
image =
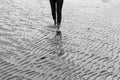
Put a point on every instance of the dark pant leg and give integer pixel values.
(59, 10)
(53, 9)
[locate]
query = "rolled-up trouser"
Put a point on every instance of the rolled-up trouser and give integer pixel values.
(56, 7)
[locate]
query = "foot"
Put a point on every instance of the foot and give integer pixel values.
(58, 35)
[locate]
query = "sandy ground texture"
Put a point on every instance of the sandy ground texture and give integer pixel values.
(88, 47)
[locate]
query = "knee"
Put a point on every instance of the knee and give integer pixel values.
(59, 12)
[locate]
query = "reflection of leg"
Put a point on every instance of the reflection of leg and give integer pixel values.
(53, 9)
(59, 43)
(58, 38)
(59, 49)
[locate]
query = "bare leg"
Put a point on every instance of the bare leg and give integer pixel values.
(59, 10)
(53, 9)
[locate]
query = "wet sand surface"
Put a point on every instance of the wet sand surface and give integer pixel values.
(87, 48)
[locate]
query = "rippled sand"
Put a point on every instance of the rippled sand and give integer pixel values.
(87, 48)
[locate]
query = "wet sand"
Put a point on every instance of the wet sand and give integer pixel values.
(87, 48)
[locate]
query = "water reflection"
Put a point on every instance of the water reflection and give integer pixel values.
(58, 44)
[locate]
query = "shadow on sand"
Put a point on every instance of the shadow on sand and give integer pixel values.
(50, 28)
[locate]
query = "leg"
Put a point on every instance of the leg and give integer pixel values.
(59, 10)
(53, 9)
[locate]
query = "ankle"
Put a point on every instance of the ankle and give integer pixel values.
(58, 24)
